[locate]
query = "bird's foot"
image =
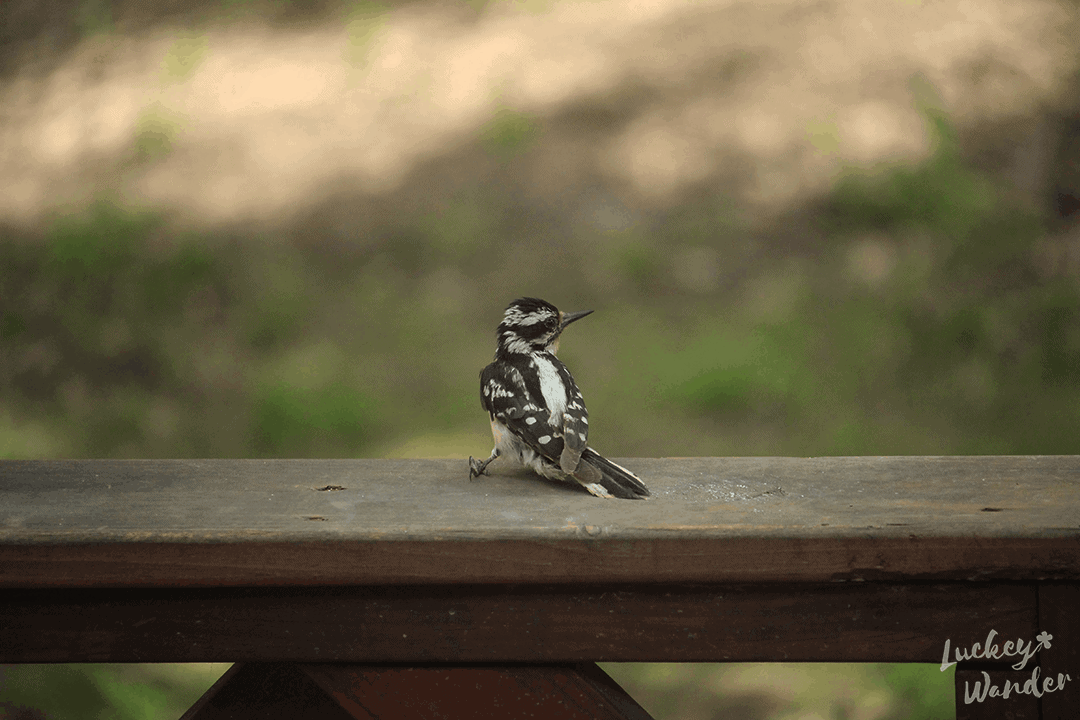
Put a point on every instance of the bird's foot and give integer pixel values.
(476, 468)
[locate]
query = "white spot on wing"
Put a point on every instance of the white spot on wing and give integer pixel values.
(545, 439)
(498, 391)
(530, 421)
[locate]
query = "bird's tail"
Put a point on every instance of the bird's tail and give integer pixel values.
(604, 478)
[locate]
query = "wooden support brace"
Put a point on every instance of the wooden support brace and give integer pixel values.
(334, 691)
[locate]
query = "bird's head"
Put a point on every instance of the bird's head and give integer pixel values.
(531, 325)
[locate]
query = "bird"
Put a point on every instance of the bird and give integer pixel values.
(538, 414)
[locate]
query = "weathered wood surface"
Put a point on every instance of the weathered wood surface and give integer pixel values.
(147, 523)
(1059, 615)
(838, 622)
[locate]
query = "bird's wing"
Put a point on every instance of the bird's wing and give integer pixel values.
(575, 422)
(523, 414)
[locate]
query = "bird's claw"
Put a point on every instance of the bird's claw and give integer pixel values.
(476, 468)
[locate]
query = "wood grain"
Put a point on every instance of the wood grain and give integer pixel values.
(714, 520)
(837, 622)
(1059, 615)
(407, 561)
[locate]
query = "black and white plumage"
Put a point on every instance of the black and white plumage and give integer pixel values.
(538, 415)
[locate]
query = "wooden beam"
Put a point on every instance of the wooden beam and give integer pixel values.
(146, 523)
(835, 622)
(407, 561)
(1059, 617)
(670, 560)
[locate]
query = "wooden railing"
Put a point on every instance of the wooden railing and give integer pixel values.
(377, 588)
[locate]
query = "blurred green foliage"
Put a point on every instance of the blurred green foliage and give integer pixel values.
(510, 133)
(924, 691)
(154, 137)
(187, 51)
(941, 195)
(86, 321)
(913, 315)
(287, 416)
(985, 337)
(364, 20)
(94, 17)
(788, 691)
(914, 318)
(103, 692)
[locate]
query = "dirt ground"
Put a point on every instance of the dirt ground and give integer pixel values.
(249, 114)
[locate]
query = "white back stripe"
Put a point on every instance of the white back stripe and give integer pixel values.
(552, 388)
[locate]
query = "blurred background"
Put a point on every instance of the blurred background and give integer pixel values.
(262, 228)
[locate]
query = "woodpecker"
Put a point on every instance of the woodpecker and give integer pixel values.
(538, 415)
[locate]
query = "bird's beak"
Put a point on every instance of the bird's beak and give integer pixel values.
(568, 318)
